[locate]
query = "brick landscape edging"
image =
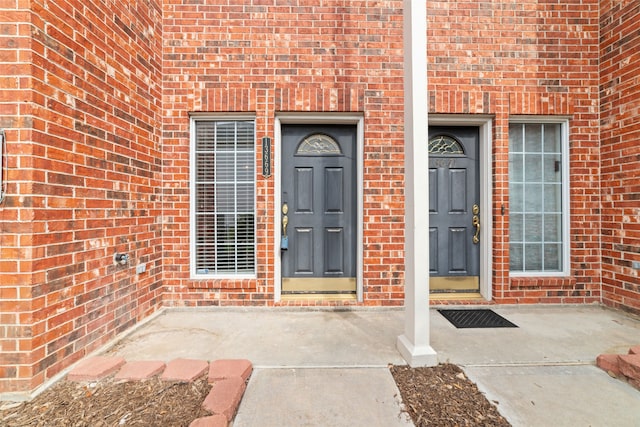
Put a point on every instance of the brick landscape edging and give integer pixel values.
(228, 377)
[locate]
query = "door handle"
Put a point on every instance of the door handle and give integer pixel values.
(476, 223)
(284, 240)
(285, 219)
(285, 222)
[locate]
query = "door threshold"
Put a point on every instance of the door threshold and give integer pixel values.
(452, 296)
(319, 297)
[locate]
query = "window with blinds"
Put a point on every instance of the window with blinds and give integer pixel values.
(223, 197)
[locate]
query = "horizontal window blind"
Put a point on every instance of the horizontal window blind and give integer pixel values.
(224, 197)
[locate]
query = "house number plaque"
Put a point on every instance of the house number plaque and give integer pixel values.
(266, 157)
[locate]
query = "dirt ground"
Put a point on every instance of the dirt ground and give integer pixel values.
(438, 396)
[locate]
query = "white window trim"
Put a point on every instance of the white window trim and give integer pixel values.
(193, 118)
(566, 214)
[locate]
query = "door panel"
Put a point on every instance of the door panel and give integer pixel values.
(458, 262)
(334, 251)
(433, 191)
(458, 191)
(319, 184)
(334, 187)
(304, 190)
(453, 191)
(433, 253)
(303, 239)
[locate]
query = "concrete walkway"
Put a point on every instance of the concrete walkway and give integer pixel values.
(320, 368)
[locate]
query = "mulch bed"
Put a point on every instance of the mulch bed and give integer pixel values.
(108, 403)
(438, 396)
(444, 396)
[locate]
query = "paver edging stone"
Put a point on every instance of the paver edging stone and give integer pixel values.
(609, 363)
(228, 368)
(622, 366)
(211, 421)
(95, 368)
(184, 370)
(630, 366)
(140, 370)
(225, 396)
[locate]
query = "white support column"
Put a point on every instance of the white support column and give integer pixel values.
(414, 343)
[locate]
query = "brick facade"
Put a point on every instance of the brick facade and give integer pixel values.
(526, 58)
(81, 105)
(274, 58)
(620, 151)
(95, 100)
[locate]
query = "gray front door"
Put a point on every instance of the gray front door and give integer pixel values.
(454, 212)
(319, 209)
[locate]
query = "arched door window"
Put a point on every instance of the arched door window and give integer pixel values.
(445, 145)
(318, 144)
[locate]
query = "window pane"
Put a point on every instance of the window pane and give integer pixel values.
(205, 167)
(516, 227)
(225, 136)
(516, 167)
(533, 167)
(515, 138)
(552, 198)
(516, 197)
(225, 198)
(245, 166)
(552, 258)
(245, 197)
(553, 228)
(533, 228)
(205, 136)
(225, 168)
(533, 257)
(245, 137)
(224, 191)
(516, 260)
(533, 138)
(552, 138)
(535, 197)
(552, 168)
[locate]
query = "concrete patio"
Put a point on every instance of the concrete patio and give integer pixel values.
(324, 367)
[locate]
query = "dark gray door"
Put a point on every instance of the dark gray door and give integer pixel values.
(319, 208)
(454, 213)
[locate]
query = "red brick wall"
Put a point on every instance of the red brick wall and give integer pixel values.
(526, 58)
(96, 114)
(620, 139)
(15, 225)
(529, 58)
(82, 112)
(267, 57)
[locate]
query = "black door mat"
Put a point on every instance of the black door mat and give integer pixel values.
(476, 318)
